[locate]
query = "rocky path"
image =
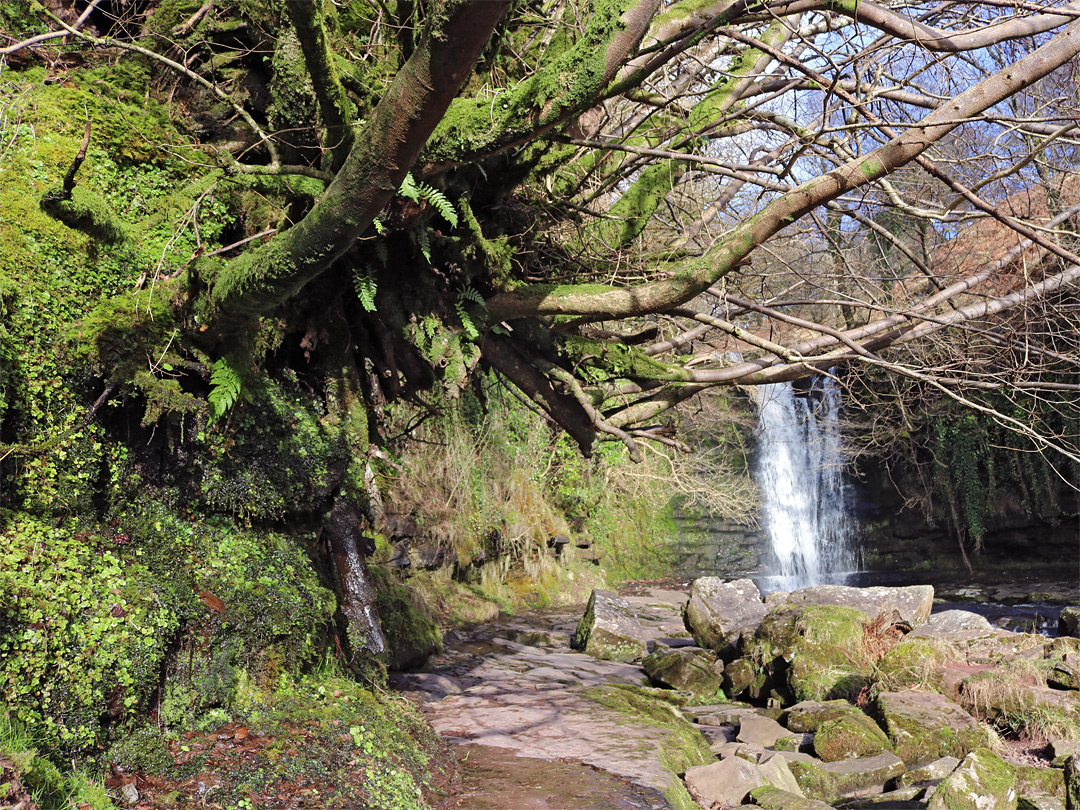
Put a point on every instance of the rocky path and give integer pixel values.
(507, 691)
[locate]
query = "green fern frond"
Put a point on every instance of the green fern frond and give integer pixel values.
(423, 242)
(366, 287)
(439, 202)
(409, 189)
(225, 387)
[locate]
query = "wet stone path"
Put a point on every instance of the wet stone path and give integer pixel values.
(515, 698)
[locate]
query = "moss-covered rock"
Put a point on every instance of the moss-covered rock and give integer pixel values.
(608, 629)
(925, 726)
(982, 781)
(1034, 782)
(808, 715)
(850, 736)
(412, 635)
(692, 670)
(830, 781)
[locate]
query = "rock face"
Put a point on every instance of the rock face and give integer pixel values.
(688, 669)
(911, 604)
(720, 615)
(982, 781)
(608, 630)
(925, 726)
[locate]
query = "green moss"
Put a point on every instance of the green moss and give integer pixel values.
(84, 630)
(982, 780)
(853, 735)
(411, 632)
(683, 747)
(567, 82)
(87, 212)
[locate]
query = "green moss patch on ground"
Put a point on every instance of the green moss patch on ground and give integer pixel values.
(322, 741)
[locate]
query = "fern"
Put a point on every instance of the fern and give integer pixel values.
(412, 190)
(366, 287)
(468, 295)
(423, 242)
(225, 385)
(379, 227)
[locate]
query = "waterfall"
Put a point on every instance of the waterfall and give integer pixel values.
(807, 503)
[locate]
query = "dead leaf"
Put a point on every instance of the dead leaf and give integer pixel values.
(212, 601)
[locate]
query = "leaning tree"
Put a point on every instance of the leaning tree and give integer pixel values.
(614, 205)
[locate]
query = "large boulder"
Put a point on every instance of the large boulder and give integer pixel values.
(688, 669)
(609, 630)
(849, 737)
(1069, 622)
(911, 604)
(720, 615)
(810, 714)
(831, 781)
(730, 780)
(982, 781)
(925, 726)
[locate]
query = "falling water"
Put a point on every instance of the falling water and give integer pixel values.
(807, 502)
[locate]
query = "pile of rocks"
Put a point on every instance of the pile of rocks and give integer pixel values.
(850, 693)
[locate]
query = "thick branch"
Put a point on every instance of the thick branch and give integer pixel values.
(695, 276)
(376, 165)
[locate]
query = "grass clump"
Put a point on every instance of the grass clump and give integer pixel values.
(26, 776)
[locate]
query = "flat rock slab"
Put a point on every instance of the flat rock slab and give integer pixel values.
(760, 730)
(497, 778)
(533, 702)
(951, 621)
(911, 604)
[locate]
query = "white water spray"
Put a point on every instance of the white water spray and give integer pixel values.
(807, 502)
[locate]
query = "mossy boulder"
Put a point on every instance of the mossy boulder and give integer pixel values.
(848, 737)
(609, 630)
(1069, 622)
(720, 615)
(772, 798)
(831, 781)
(827, 658)
(742, 677)
(911, 604)
(688, 669)
(808, 715)
(412, 635)
(982, 781)
(1034, 783)
(925, 726)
